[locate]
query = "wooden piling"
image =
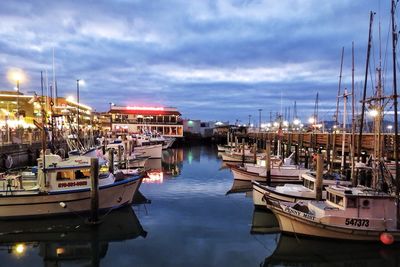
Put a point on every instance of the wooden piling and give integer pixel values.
(94, 190)
(268, 162)
(318, 180)
(111, 160)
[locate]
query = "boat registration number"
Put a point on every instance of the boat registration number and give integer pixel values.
(357, 222)
(70, 184)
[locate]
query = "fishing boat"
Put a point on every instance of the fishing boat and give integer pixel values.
(279, 175)
(63, 186)
(295, 192)
(350, 213)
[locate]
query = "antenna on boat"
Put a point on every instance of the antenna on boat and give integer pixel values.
(396, 132)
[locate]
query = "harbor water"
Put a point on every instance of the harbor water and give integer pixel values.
(196, 216)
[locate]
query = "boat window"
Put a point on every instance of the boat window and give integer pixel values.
(73, 174)
(332, 198)
(339, 200)
(351, 202)
(311, 185)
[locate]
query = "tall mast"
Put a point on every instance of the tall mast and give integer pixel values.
(396, 159)
(344, 129)
(371, 19)
(338, 94)
(353, 119)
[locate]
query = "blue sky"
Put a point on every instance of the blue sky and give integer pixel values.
(213, 60)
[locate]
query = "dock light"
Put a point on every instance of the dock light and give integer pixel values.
(269, 125)
(276, 124)
(285, 123)
(373, 113)
(311, 120)
(19, 249)
(390, 127)
(296, 122)
(63, 205)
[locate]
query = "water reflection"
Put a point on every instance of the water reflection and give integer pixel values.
(240, 186)
(264, 222)
(300, 251)
(62, 239)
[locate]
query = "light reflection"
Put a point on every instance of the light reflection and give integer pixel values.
(154, 177)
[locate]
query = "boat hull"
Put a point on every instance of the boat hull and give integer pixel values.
(276, 178)
(111, 196)
(152, 151)
(291, 224)
(261, 192)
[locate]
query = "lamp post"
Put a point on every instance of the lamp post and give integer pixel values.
(249, 120)
(77, 98)
(259, 120)
(111, 105)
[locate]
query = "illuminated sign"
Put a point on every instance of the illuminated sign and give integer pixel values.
(144, 108)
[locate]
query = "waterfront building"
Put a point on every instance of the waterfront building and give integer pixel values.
(138, 119)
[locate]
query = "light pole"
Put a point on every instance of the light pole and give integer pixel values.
(77, 98)
(111, 104)
(259, 120)
(249, 120)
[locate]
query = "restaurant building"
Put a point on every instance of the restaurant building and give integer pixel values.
(138, 119)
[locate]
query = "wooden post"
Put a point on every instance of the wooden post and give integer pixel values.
(255, 151)
(94, 190)
(318, 180)
(111, 160)
(306, 158)
(328, 150)
(119, 156)
(268, 162)
(243, 155)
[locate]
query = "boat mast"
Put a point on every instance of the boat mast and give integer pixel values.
(339, 87)
(353, 119)
(343, 162)
(365, 87)
(396, 159)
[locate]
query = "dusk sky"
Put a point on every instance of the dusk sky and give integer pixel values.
(213, 60)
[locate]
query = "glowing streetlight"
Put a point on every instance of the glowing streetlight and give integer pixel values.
(390, 127)
(373, 113)
(296, 122)
(16, 76)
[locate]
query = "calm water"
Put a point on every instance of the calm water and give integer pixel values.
(191, 221)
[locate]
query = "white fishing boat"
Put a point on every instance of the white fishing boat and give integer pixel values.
(151, 151)
(64, 187)
(350, 213)
(294, 192)
(281, 175)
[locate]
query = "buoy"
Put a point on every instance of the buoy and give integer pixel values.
(386, 238)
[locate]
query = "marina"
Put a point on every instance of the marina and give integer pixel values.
(226, 133)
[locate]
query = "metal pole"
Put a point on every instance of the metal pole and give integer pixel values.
(259, 120)
(77, 98)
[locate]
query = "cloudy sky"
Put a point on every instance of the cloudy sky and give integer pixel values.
(212, 59)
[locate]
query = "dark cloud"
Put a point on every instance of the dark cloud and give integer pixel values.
(211, 59)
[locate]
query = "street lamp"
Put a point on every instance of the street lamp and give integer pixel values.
(16, 76)
(259, 120)
(390, 127)
(111, 105)
(77, 98)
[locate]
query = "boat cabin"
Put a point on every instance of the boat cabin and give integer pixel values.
(356, 202)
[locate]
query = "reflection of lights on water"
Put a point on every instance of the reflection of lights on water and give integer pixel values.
(190, 157)
(60, 251)
(154, 177)
(19, 249)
